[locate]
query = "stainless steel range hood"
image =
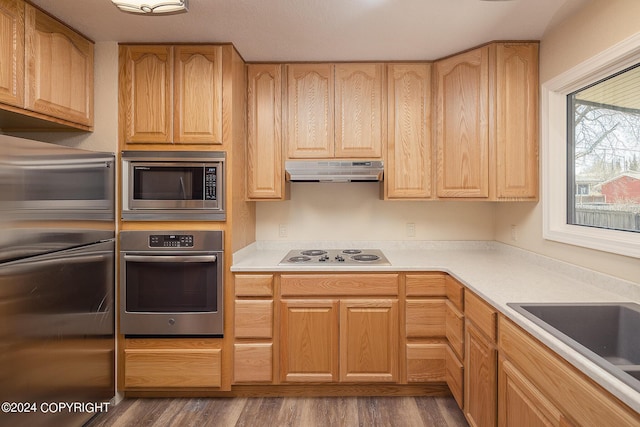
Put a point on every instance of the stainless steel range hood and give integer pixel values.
(334, 170)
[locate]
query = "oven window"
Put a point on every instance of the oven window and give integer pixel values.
(171, 287)
(167, 183)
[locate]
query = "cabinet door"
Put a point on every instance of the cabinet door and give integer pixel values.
(480, 388)
(252, 362)
(59, 69)
(358, 110)
(516, 120)
(12, 52)
(146, 79)
(462, 120)
(520, 403)
(309, 341)
(197, 95)
(369, 340)
(310, 97)
(408, 173)
(264, 132)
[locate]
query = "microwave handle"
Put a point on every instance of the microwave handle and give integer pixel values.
(171, 258)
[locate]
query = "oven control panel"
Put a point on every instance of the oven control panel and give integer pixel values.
(171, 241)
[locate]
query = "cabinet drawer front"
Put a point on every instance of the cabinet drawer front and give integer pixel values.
(454, 325)
(426, 362)
(252, 362)
(426, 318)
(455, 292)
(339, 284)
(250, 285)
(482, 314)
(427, 285)
(455, 376)
(172, 368)
(253, 319)
(567, 388)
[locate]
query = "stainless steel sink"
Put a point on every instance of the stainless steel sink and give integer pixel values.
(606, 333)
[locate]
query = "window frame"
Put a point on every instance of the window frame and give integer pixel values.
(555, 185)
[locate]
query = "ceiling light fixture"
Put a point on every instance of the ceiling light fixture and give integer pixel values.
(152, 7)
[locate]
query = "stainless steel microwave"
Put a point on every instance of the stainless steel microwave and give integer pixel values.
(173, 185)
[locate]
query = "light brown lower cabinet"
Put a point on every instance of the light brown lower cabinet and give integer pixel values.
(521, 403)
(253, 329)
(309, 341)
(339, 340)
(480, 366)
(537, 387)
(369, 340)
(171, 363)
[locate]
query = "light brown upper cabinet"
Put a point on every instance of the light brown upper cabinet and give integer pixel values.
(408, 168)
(12, 52)
(46, 68)
(462, 124)
(59, 66)
(335, 110)
(516, 116)
(264, 132)
(486, 123)
(171, 94)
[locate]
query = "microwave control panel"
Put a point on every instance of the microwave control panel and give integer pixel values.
(210, 182)
(171, 241)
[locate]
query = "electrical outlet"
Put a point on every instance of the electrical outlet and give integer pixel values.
(411, 229)
(282, 230)
(514, 232)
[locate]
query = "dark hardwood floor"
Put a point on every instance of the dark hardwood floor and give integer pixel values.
(284, 411)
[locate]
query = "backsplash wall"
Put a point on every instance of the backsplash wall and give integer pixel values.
(355, 211)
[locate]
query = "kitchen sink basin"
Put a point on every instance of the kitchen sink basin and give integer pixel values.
(606, 333)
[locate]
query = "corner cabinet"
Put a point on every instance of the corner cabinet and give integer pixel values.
(265, 178)
(486, 123)
(170, 94)
(334, 110)
(433, 331)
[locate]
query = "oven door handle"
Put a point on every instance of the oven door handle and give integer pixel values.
(171, 258)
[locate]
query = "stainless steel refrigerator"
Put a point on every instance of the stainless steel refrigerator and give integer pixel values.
(56, 283)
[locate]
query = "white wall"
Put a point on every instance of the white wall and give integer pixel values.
(594, 28)
(354, 211)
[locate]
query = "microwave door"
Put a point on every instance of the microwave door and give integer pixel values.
(166, 187)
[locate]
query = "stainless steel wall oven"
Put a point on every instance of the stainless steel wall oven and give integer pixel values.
(170, 185)
(171, 283)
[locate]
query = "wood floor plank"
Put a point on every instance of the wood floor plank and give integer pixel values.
(387, 411)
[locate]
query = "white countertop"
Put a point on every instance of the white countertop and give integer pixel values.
(499, 273)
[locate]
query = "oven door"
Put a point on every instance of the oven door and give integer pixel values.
(171, 293)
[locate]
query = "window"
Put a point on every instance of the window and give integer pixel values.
(590, 135)
(603, 142)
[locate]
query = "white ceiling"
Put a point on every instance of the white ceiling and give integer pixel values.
(324, 30)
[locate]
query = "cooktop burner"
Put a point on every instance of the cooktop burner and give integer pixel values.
(335, 257)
